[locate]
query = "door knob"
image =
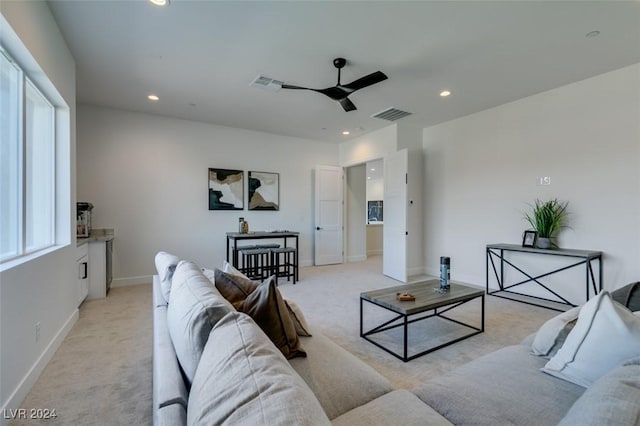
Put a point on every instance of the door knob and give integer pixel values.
(318, 228)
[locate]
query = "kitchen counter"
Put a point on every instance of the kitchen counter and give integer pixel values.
(102, 234)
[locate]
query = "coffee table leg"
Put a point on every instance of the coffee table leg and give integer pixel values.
(406, 339)
(361, 331)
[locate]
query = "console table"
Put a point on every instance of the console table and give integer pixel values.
(233, 237)
(578, 258)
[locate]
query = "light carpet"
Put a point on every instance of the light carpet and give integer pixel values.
(101, 374)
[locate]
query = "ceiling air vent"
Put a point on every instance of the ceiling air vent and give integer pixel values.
(391, 114)
(267, 83)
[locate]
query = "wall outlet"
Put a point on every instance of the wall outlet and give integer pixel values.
(544, 181)
(38, 331)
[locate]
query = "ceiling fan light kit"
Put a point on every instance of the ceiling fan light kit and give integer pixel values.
(340, 92)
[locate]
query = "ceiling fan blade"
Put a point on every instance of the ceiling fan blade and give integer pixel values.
(347, 104)
(365, 81)
(336, 93)
(290, 86)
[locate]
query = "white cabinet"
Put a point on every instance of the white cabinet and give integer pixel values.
(97, 270)
(82, 267)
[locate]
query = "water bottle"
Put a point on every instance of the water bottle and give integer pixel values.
(445, 272)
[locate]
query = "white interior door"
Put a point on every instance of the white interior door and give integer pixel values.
(328, 215)
(394, 232)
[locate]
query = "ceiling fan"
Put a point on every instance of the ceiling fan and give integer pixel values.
(340, 92)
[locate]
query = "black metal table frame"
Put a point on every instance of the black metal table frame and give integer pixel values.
(586, 260)
(235, 236)
(405, 324)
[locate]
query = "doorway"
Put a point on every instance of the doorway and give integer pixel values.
(364, 212)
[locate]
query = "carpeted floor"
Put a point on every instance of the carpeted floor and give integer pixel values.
(101, 375)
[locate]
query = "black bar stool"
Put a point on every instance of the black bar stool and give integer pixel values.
(256, 263)
(284, 264)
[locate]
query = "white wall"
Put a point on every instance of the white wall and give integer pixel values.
(42, 289)
(356, 213)
(481, 171)
(371, 146)
(147, 178)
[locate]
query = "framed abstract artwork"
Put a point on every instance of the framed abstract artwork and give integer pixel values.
(226, 189)
(264, 191)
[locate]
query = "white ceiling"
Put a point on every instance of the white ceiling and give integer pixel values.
(199, 57)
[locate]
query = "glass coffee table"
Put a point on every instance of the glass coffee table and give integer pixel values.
(427, 299)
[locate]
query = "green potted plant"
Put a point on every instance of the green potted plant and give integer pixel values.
(547, 218)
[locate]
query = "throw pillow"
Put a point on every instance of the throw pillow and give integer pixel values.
(267, 308)
(166, 265)
(234, 288)
(629, 296)
(229, 269)
(195, 307)
(299, 321)
(243, 379)
(553, 333)
(605, 335)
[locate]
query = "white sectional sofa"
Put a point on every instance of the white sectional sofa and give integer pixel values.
(239, 376)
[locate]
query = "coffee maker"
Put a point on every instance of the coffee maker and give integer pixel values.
(83, 218)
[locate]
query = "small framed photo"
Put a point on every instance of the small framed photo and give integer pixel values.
(529, 239)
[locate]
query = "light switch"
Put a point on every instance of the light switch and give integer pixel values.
(544, 180)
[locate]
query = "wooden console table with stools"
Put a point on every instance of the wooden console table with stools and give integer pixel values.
(580, 257)
(233, 250)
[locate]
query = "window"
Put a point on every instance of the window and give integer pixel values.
(27, 164)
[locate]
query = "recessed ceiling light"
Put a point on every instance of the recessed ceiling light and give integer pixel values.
(346, 132)
(373, 170)
(444, 93)
(160, 2)
(591, 34)
(153, 98)
(368, 177)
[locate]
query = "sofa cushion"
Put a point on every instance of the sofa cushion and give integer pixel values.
(243, 379)
(394, 408)
(605, 335)
(166, 265)
(337, 378)
(267, 308)
(168, 383)
(612, 400)
(551, 336)
(171, 415)
(195, 307)
(504, 387)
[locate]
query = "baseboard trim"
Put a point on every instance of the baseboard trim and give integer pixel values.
(27, 382)
(358, 258)
(124, 282)
(416, 271)
(374, 252)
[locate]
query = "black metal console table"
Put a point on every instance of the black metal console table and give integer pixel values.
(583, 257)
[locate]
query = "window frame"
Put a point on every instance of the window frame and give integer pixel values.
(21, 249)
